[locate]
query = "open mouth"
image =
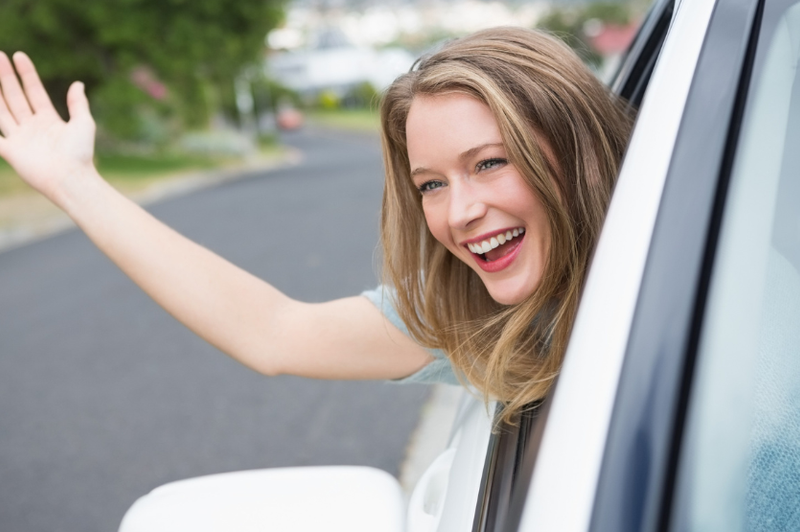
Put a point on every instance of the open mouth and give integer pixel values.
(497, 246)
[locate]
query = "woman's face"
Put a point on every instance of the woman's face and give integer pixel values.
(476, 203)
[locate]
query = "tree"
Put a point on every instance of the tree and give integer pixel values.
(569, 23)
(175, 59)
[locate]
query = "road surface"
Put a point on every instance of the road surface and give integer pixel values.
(105, 396)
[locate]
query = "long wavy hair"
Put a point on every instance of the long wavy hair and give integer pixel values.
(538, 90)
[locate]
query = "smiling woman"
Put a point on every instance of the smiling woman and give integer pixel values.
(501, 150)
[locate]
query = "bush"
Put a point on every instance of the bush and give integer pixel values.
(569, 23)
(362, 96)
(328, 100)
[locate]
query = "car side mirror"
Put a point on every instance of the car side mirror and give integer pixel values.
(346, 498)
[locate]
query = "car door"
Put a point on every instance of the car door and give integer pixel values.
(637, 476)
(737, 453)
(605, 451)
(611, 443)
(705, 428)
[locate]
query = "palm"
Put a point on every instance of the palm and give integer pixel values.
(44, 147)
(37, 143)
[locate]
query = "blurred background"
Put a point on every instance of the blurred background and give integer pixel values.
(251, 127)
(173, 76)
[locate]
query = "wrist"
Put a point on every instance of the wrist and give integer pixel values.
(81, 186)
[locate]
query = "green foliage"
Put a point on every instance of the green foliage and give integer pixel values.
(127, 172)
(328, 100)
(419, 43)
(121, 106)
(269, 95)
(268, 141)
(137, 166)
(193, 48)
(568, 23)
(609, 12)
(361, 120)
(362, 96)
(568, 26)
(10, 184)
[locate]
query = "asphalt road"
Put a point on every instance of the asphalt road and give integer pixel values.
(104, 396)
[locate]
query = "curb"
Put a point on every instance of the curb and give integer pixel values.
(178, 185)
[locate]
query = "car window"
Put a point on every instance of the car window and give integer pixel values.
(739, 465)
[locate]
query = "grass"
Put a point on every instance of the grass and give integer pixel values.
(361, 120)
(132, 166)
(126, 170)
(21, 206)
(132, 172)
(10, 184)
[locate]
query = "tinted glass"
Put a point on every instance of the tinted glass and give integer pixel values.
(740, 461)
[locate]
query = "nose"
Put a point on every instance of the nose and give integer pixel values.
(466, 205)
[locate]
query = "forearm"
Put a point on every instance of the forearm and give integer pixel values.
(228, 307)
(233, 310)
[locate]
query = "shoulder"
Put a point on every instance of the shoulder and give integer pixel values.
(439, 370)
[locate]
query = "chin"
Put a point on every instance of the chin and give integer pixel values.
(506, 296)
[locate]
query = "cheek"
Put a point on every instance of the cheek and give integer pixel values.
(436, 219)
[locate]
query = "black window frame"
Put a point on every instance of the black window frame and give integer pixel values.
(633, 75)
(637, 478)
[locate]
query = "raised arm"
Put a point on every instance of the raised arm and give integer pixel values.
(238, 313)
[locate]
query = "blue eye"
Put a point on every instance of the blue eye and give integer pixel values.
(429, 186)
(488, 164)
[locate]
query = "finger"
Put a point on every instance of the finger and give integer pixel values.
(37, 95)
(77, 103)
(12, 91)
(7, 122)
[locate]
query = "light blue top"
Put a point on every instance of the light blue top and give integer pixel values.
(437, 371)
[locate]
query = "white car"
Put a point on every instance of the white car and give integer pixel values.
(678, 406)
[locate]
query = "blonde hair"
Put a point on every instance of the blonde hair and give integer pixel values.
(540, 94)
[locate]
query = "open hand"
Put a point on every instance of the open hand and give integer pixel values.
(44, 150)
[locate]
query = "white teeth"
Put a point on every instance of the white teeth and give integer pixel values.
(495, 241)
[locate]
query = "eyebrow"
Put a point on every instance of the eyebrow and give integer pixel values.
(463, 156)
